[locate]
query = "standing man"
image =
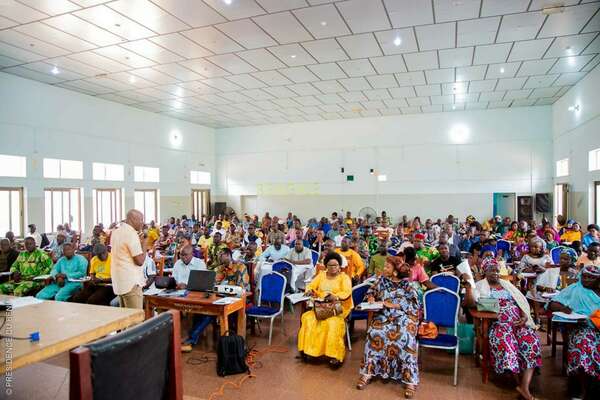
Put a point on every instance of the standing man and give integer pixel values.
(128, 255)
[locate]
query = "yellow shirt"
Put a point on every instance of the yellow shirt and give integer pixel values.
(204, 242)
(225, 224)
(571, 236)
(100, 268)
(153, 236)
(356, 266)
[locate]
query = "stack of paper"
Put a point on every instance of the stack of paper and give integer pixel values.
(226, 300)
(42, 277)
(84, 279)
(572, 316)
(19, 302)
(371, 306)
(297, 297)
(152, 290)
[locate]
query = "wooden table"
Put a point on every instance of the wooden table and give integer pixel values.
(198, 303)
(62, 327)
(482, 321)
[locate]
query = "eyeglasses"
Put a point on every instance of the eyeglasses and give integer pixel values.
(333, 265)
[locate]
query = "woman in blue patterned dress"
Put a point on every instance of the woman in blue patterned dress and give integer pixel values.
(391, 346)
(582, 297)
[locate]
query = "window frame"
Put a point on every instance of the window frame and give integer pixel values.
(200, 202)
(104, 165)
(60, 168)
(118, 202)
(156, 205)
(594, 154)
(21, 221)
(54, 223)
(558, 164)
(195, 173)
(22, 159)
(144, 168)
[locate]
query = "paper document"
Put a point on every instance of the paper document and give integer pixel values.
(371, 306)
(549, 295)
(175, 293)
(7, 273)
(84, 279)
(573, 315)
(24, 301)
(42, 277)
(297, 297)
(226, 300)
(152, 290)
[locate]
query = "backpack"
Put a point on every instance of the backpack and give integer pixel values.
(231, 354)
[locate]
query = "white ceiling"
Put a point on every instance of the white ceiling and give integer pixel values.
(224, 63)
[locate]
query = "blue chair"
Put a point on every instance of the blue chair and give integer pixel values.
(358, 295)
(272, 290)
(441, 307)
(395, 241)
(315, 256)
(505, 246)
(392, 252)
(279, 266)
(448, 281)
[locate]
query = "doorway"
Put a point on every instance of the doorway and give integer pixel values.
(249, 205)
(200, 203)
(561, 203)
(505, 204)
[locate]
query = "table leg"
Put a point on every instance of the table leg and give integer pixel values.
(477, 327)
(554, 330)
(224, 323)
(565, 348)
(241, 322)
(147, 309)
(485, 351)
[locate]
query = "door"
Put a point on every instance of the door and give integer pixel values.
(504, 204)
(200, 203)
(249, 205)
(561, 204)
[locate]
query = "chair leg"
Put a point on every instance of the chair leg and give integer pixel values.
(271, 330)
(348, 337)
(456, 366)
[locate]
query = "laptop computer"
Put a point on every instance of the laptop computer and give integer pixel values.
(201, 281)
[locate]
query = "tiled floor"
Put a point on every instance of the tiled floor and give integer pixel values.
(284, 376)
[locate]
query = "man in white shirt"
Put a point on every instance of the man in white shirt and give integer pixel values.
(276, 251)
(127, 257)
(35, 235)
(218, 228)
(183, 266)
(301, 258)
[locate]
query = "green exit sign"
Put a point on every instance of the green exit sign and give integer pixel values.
(350, 178)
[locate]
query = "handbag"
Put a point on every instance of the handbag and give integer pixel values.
(324, 310)
(164, 282)
(487, 304)
(427, 330)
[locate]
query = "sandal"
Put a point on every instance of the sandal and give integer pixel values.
(522, 394)
(363, 381)
(334, 363)
(409, 392)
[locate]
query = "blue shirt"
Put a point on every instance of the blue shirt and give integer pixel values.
(74, 268)
(589, 239)
(271, 253)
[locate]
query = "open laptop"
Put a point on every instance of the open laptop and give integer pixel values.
(201, 281)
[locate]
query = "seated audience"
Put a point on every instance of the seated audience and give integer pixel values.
(214, 251)
(378, 261)
(55, 248)
(445, 262)
(417, 272)
(277, 251)
(356, 266)
(591, 257)
(69, 267)
(8, 255)
(97, 290)
(326, 337)
(391, 345)
(592, 236)
(540, 263)
(30, 264)
(33, 233)
(514, 345)
(572, 233)
(583, 357)
(301, 258)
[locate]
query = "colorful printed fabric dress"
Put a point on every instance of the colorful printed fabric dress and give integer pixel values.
(584, 351)
(29, 265)
(391, 346)
(512, 348)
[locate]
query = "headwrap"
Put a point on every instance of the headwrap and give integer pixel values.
(419, 236)
(470, 219)
(488, 247)
(488, 263)
(572, 253)
(591, 270)
(537, 239)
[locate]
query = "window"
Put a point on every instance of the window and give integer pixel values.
(561, 193)
(107, 206)
(108, 172)
(11, 211)
(62, 206)
(14, 166)
(597, 202)
(63, 169)
(594, 160)
(199, 178)
(200, 202)
(147, 202)
(562, 167)
(146, 174)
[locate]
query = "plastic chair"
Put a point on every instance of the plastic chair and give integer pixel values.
(448, 281)
(441, 307)
(392, 252)
(503, 245)
(279, 266)
(272, 290)
(315, 256)
(358, 294)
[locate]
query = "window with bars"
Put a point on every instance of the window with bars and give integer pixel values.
(62, 205)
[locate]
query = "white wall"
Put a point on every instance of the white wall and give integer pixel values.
(575, 134)
(508, 150)
(42, 121)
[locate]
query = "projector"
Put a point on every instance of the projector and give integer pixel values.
(229, 290)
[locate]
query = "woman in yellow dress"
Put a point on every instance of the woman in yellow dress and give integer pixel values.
(326, 337)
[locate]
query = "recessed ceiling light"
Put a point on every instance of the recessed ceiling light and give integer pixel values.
(453, 107)
(323, 23)
(228, 2)
(293, 56)
(501, 70)
(571, 61)
(397, 41)
(132, 79)
(179, 91)
(55, 70)
(574, 108)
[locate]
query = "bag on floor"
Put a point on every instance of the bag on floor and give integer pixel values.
(231, 354)
(427, 330)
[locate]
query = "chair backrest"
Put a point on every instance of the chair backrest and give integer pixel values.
(392, 252)
(280, 265)
(448, 281)
(395, 241)
(441, 307)
(315, 256)
(272, 288)
(503, 245)
(359, 292)
(143, 362)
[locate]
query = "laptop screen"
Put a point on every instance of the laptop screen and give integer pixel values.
(201, 281)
